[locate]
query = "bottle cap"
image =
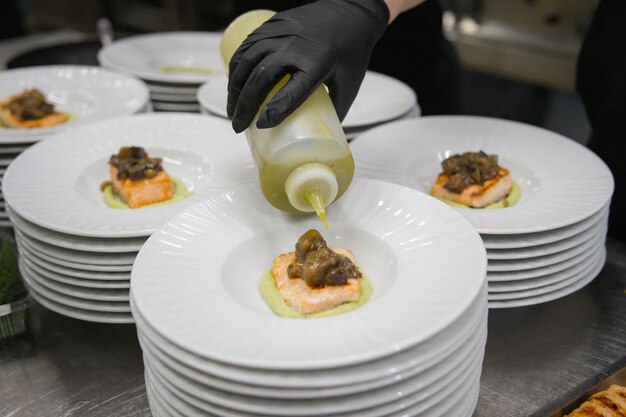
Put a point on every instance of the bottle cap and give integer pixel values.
(309, 177)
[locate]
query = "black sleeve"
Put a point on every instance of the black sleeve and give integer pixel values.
(601, 83)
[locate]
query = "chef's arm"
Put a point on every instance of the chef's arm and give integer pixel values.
(397, 7)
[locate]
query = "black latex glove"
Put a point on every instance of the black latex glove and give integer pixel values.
(328, 41)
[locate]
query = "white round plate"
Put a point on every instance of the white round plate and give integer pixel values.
(15, 149)
(549, 248)
(71, 272)
(81, 314)
(562, 181)
(335, 382)
(507, 265)
(183, 107)
(78, 292)
(145, 56)
(438, 404)
(546, 289)
(438, 376)
(396, 233)
(73, 265)
(380, 98)
(88, 258)
(544, 298)
(175, 89)
(81, 243)
(69, 301)
(176, 98)
(89, 94)
(541, 271)
(202, 151)
(529, 240)
(530, 283)
(383, 401)
(76, 282)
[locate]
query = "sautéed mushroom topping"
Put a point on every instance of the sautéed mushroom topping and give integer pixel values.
(30, 105)
(468, 169)
(133, 163)
(318, 265)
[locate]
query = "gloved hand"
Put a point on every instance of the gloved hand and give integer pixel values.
(327, 41)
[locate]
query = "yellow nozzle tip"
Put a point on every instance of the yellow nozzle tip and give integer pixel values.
(315, 198)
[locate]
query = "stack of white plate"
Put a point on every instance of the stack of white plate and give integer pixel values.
(88, 94)
(552, 241)
(76, 253)
(173, 64)
(213, 347)
(380, 99)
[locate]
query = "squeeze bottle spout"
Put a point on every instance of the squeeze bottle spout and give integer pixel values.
(304, 163)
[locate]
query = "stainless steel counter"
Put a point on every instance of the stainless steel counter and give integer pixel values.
(538, 358)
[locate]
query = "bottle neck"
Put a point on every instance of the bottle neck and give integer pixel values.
(311, 188)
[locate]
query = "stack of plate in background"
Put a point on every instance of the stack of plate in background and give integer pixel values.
(212, 346)
(87, 93)
(547, 245)
(76, 253)
(173, 64)
(380, 99)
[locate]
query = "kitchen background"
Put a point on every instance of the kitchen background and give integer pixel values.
(518, 56)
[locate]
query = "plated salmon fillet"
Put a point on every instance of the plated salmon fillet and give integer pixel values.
(29, 109)
(309, 300)
(474, 179)
(139, 180)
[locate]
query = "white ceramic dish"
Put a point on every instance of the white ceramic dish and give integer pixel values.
(81, 314)
(417, 358)
(586, 260)
(176, 98)
(182, 107)
(534, 292)
(174, 89)
(508, 265)
(71, 272)
(80, 243)
(74, 302)
(70, 255)
(380, 98)
(368, 376)
(383, 401)
(77, 282)
(530, 240)
(439, 404)
(544, 298)
(89, 94)
(202, 151)
(349, 395)
(562, 181)
(146, 56)
(396, 233)
(97, 294)
(73, 265)
(549, 248)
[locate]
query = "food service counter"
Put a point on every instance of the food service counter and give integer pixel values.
(538, 358)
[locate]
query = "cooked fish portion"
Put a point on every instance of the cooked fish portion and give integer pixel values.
(138, 179)
(29, 109)
(309, 300)
(476, 195)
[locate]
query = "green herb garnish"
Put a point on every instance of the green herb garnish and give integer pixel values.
(11, 287)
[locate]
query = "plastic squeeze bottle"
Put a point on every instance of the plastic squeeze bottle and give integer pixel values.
(304, 162)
